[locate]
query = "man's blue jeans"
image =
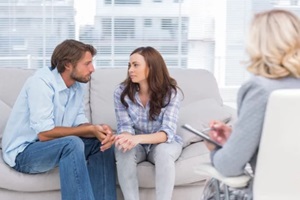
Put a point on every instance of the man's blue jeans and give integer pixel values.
(86, 173)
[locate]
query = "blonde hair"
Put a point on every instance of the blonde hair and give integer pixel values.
(274, 44)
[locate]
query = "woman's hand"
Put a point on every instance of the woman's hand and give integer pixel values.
(126, 141)
(219, 132)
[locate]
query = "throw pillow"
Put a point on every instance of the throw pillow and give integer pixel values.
(198, 114)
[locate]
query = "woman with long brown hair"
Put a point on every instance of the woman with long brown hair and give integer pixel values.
(147, 106)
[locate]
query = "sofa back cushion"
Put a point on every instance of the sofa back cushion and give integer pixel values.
(201, 104)
(103, 83)
(197, 84)
(202, 101)
(12, 80)
(198, 114)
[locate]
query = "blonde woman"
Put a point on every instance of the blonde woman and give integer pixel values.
(274, 55)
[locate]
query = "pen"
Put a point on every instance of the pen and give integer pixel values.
(206, 130)
(209, 128)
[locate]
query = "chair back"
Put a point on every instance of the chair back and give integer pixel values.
(277, 174)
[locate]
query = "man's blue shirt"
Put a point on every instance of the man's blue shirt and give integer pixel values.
(44, 102)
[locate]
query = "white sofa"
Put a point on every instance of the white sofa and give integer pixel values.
(202, 102)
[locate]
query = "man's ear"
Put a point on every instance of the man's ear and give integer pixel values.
(68, 66)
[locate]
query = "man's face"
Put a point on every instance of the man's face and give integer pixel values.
(84, 68)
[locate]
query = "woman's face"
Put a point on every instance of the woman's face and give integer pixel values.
(137, 69)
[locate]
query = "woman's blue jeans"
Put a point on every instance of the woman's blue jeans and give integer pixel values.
(86, 173)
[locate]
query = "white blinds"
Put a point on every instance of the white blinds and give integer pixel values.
(188, 33)
(120, 26)
(29, 30)
(183, 31)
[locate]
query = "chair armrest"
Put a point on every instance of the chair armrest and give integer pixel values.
(235, 182)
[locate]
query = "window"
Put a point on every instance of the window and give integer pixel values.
(124, 50)
(124, 28)
(167, 24)
(147, 22)
(123, 2)
(26, 35)
(106, 28)
(104, 50)
(189, 34)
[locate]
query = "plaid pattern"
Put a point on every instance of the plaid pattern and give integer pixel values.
(135, 118)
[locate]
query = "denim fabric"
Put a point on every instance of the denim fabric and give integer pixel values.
(86, 173)
(162, 155)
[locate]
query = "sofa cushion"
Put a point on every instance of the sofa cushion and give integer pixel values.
(198, 114)
(5, 110)
(13, 180)
(102, 88)
(196, 84)
(14, 79)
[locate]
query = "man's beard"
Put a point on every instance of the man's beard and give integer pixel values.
(80, 79)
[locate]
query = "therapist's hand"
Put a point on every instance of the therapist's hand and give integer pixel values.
(220, 132)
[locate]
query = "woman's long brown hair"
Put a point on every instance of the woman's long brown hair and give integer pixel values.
(160, 83)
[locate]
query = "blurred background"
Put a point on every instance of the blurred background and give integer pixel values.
(189, 33)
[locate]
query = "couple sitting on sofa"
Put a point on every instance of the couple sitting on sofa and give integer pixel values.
(36, 138)
(48, 128)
